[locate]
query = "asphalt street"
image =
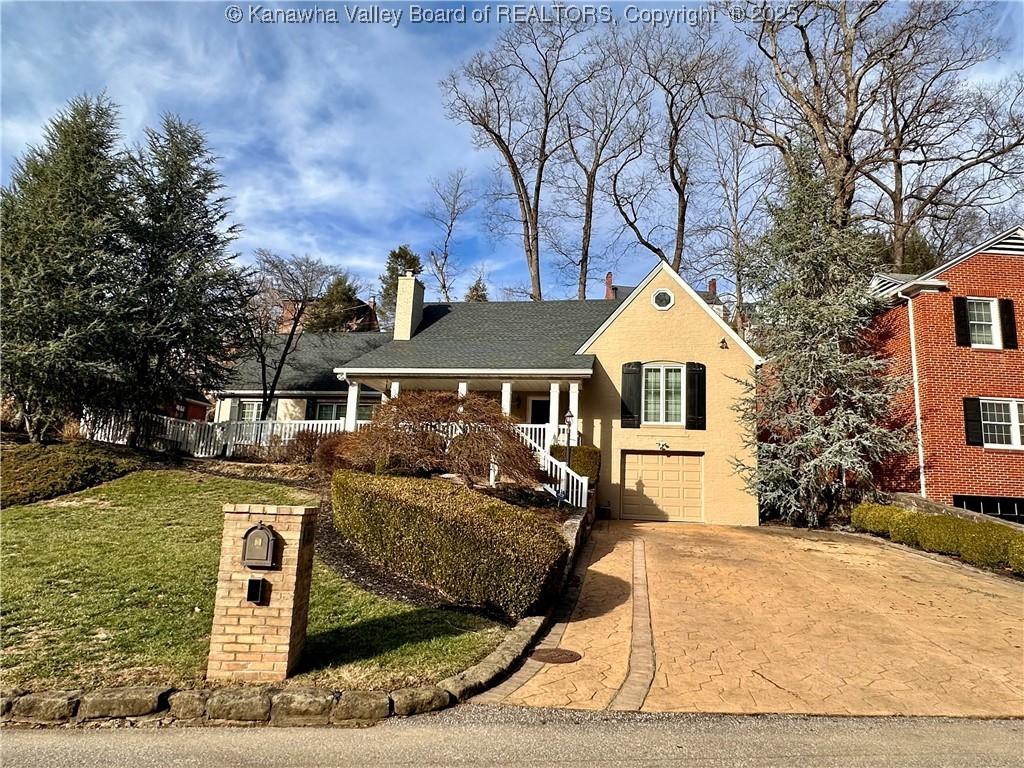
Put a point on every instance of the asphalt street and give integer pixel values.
(501, 736)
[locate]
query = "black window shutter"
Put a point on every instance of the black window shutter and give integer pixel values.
(310, 409)
(696, 396)
(972, 421)
(960, 322)
(1008, 323)
(631, 373)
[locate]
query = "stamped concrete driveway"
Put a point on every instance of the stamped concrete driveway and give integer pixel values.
(688, 618)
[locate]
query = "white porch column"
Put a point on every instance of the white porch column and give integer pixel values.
(554, 413)
(395, 387)
(351, 406)
(506, 397)
(574, 408)
(463, 388)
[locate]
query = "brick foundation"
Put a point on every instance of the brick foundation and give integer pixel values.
(262, 643)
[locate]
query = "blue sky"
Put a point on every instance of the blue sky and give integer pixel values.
(328, 133)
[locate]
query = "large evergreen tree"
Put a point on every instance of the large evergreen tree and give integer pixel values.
(63, 254)
(477, 291)
(817, 410)
(401, 260)
(181, 311)
(339, 309)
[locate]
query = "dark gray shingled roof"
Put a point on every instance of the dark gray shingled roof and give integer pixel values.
(623, 292)
(496, 334)
(310, 367)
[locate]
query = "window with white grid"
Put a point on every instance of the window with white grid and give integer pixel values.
(983, 316)
(663, 394)
(1002, 423)
(249, 410)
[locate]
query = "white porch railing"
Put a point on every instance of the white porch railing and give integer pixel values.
(564, 483)
(261, 434)
(540, 434)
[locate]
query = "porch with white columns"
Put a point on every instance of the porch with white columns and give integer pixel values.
(352, 406)
(554, 411)
(573, 437)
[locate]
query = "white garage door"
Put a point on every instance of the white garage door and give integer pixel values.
(662, 486)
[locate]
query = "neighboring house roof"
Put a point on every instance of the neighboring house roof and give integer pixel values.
(494, 336)
(727, 329)
(624, 291)
(889, 284)
(309, 366)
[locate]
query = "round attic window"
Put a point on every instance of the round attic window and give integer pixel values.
(663, 299)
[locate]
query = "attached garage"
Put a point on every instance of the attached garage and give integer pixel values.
(663, 486)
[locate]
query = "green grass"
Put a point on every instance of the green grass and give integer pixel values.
(33, 472)
(115, 586)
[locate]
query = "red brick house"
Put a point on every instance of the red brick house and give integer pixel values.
(952, 332)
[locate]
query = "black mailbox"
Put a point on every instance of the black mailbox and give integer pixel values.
(258, 545)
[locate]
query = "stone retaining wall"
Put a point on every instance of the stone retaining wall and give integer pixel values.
(936, 508)
(155, 706)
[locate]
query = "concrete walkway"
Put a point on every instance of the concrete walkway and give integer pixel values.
(688, 618)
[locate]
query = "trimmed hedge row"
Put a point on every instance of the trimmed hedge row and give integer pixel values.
(478, 550)
(33, 472)
(585, 460)
(978, 542)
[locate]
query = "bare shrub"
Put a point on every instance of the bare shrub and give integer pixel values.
(302, 448)
(430, 432)
(335, 452)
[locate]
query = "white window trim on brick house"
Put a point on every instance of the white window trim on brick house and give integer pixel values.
(1016, 422)
(997, 333)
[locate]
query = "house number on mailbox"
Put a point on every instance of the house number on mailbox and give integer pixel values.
(258, 547)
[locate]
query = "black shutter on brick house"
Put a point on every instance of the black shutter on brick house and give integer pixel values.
(972, 421)
(961, 322)
(310, 409)
(696, 396)
(631, 393)
(1008, 323)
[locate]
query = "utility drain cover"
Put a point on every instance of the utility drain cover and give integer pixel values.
(555, 656)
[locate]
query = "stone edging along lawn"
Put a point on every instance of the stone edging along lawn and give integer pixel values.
(263, 705)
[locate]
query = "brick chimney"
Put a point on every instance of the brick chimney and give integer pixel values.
(609, 291)
(408, 307)
(713, 286)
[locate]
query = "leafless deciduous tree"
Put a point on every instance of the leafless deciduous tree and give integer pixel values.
(947, 145)
(453, 199)
(739, 177)
(285, 287)
(598, 126)
(513, 96)
(654, 169)
(881, 91)
(815, 81)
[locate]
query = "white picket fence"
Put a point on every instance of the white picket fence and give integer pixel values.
(205, 439)
(231, 438)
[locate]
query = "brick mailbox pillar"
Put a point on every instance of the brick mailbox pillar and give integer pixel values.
(261, 609)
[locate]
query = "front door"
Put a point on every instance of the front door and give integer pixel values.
(539, 410)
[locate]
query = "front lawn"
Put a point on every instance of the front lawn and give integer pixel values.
(115, 586)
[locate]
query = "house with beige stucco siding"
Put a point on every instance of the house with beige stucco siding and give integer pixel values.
(648, 375)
